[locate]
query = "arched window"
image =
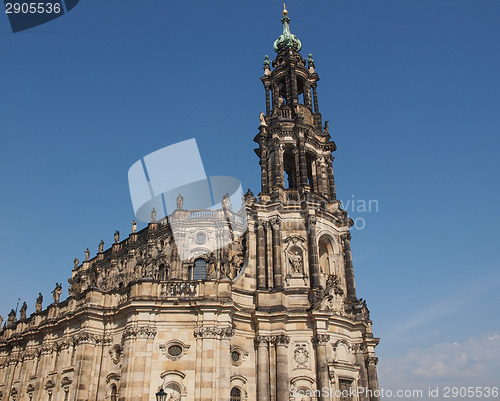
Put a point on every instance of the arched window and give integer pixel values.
(235, 394)
(200, 269)
(325, 249)
(113, 394)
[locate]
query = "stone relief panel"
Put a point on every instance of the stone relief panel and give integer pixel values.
(301, 356)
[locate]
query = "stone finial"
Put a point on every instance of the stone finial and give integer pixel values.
(39, 300)
(87, 254)
(117, 236)
(134, 226)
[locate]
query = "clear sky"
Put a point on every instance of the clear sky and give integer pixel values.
(412, 93)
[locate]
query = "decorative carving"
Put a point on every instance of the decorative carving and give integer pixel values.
(320, 339)
(213, 332)
(76, 262)
(295, 259)
(117, 236)
(301, 355)
(116, 353)
(371, 361)
(101, 246)
(238, 355)
(134, 226)
(262, 341)
(87, 254)
(280, 339)
(139, 331)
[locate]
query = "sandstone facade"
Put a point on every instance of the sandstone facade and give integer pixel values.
(271, 315)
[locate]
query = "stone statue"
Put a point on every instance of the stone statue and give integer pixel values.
(211, 267)
(57, 293)
(24, 308)
(39, 301)
(225, 269)
(225, 202)
(87, 254)
(295, 259)
(76, 262)
(180, 201)
(101, 246)
(1, 321)
(262, 120)
(117, 236)
(12, 318)
(134, 225)
(153, 215)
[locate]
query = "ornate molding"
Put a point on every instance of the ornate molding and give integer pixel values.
(371, 361)
(320, 339)
(146, 331)
(280, 339)
(213, 332)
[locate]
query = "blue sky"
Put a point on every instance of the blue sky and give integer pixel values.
(412, 93)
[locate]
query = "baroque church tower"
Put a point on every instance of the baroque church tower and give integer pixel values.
(268, 315)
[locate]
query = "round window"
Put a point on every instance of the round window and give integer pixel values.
(201, 238)
(174, 350)
(235, 356)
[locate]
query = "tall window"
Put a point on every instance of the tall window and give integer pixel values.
(200, 269)
(113, 395)
(235, 394)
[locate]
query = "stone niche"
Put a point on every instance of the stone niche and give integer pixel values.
(295, 262)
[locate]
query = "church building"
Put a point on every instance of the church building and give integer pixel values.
(268, 315)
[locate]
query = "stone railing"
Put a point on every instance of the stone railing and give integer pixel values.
(179, 289)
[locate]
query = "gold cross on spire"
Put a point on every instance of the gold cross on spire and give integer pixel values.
(285, 12)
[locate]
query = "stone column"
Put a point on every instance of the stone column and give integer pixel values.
(349, 271)
(269, 254)
(303, 162)
(282, 380)
(278, 271)
(331, 180)
(261, 256)
(307, 95)
(224, 372)
(363, 379)
(268, 103)
(264, 170)
(263, 387)
(84, 369)
(371, 363)
(320, 341)
(275, 95)
(278, 175)
(313, 252)
(315, 97)
(293, 79)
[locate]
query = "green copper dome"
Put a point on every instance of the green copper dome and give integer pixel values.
(286, 39)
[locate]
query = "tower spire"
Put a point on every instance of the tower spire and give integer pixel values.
(286, 40)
